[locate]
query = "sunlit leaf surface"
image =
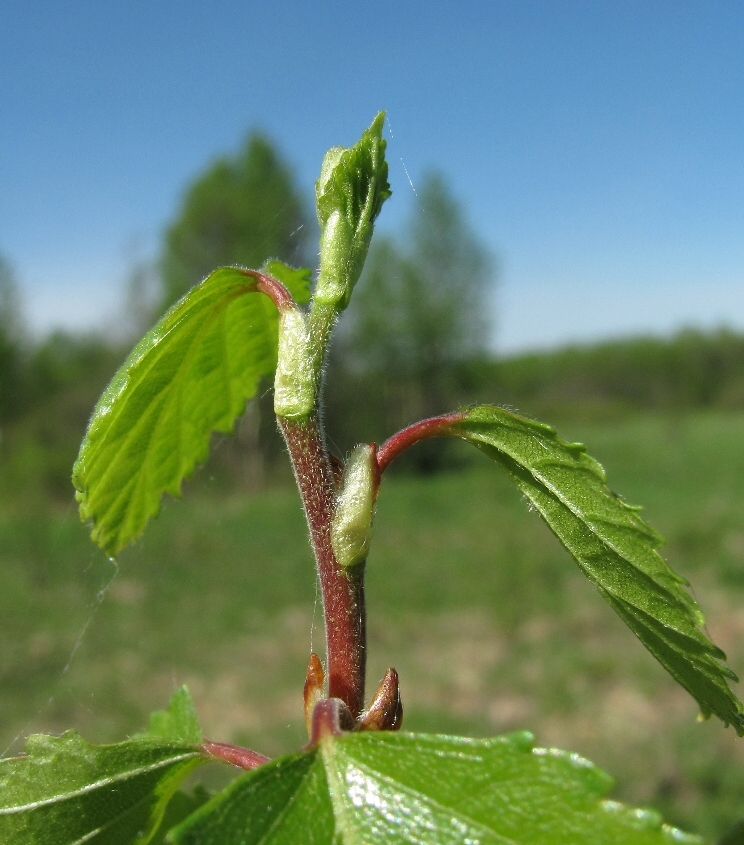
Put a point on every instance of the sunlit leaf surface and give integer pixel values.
(373, 788)
(614, 547)
(189, 376)
(66, 791)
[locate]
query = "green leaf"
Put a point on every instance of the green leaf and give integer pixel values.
(385, 787)
(297, 280)
(189, 376)
(68, 791)
(613, 546)
(349, 194)
(179, 722)
(180, 807)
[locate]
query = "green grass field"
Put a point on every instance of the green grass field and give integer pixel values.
(490, 624)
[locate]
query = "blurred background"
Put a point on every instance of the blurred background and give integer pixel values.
(564, 238)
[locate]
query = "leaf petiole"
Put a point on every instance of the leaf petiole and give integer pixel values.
(244, 758)
(413, 434)
(273, 288)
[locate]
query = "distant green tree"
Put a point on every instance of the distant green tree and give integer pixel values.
(12, 394)
(64, 374)
(242, 210)
(422, 310)
(437, 285)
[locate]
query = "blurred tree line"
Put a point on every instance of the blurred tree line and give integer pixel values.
(421, 313)
(47, 391)
(415, 341)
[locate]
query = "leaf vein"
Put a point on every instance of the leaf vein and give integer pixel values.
(99, 784)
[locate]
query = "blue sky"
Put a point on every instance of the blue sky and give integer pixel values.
(598, 148)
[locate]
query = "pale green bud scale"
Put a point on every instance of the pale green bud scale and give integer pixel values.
(351, 528)
(294, 381)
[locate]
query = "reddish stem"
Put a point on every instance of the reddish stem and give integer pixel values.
(235, 755)
(273, 288)
(342, 589)
(407, 437)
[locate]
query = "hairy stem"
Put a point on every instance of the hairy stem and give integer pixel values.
(342, 589)
(407, 437)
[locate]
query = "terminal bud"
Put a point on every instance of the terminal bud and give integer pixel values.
(294, 380)
(349, 194)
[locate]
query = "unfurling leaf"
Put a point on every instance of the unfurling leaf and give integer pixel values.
(189, 376)
(349, 194)
(370, 788)
(613, 546)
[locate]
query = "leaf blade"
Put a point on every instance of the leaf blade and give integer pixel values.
(614, 548)
(78, 790)
(189, 376)
(400, 788)
(66, 790)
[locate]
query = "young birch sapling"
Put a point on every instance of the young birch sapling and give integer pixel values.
(359, 779)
